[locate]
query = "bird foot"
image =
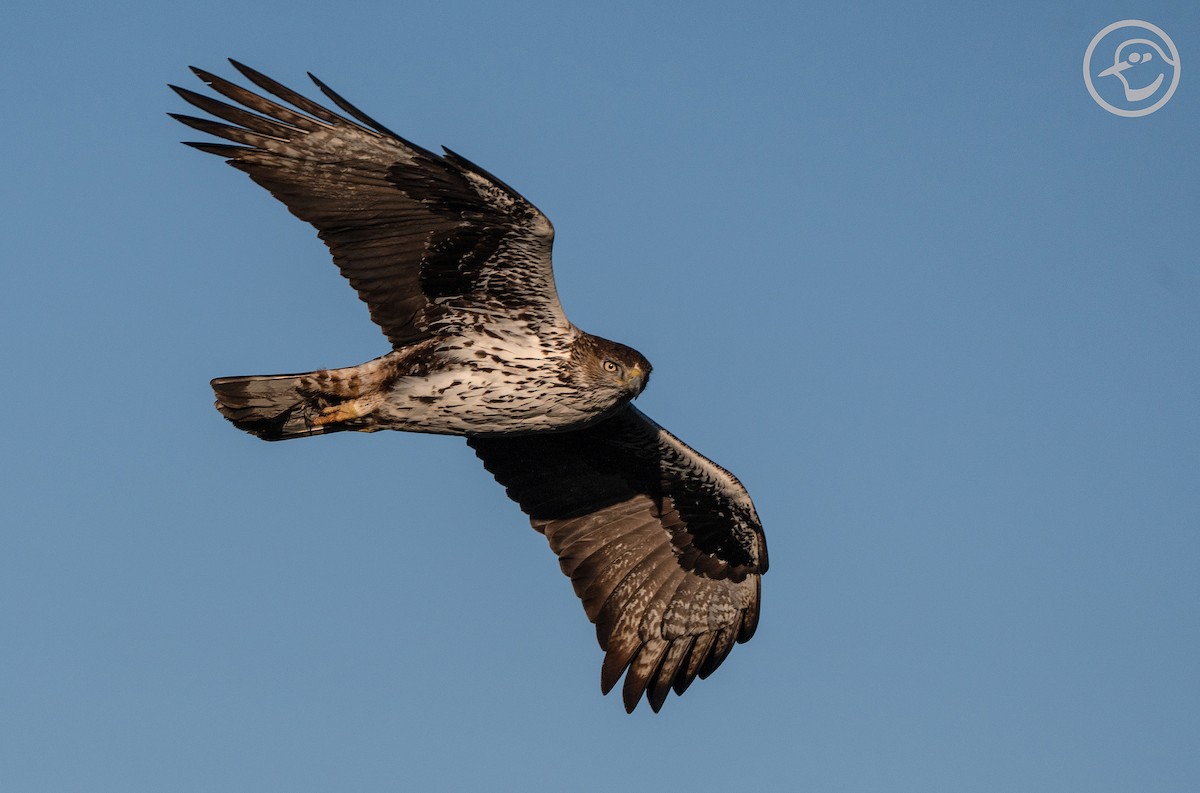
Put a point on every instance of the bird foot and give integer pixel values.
(337, 413)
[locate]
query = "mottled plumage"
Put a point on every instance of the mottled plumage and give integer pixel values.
(663, 545)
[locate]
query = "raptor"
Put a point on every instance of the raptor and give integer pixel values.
(662, 545)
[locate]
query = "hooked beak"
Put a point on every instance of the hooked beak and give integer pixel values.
(635, 381)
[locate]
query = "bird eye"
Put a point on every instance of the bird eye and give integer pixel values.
(611, 366)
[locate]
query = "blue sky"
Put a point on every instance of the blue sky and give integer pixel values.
(893, 265)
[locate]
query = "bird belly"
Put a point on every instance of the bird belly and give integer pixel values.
(467, 401)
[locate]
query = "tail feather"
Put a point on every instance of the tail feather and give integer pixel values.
(275, 407)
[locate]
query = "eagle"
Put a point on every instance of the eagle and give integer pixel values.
(663, 546)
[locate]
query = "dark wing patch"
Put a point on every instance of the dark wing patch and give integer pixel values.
(662, 545)
(425, 239)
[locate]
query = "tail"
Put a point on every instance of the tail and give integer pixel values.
(282, 406)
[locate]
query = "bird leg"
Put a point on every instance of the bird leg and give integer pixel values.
(350, 409)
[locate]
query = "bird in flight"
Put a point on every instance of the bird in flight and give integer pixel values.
(662, 545)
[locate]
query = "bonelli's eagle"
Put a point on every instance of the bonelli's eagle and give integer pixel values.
(662, 545)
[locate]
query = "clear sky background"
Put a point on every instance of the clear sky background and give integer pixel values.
(894, 267)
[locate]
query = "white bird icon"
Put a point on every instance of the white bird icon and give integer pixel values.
(1140, 53)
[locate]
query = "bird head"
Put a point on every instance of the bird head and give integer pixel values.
(609, 365)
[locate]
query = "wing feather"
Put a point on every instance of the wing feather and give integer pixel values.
(642, 671)
(662, 545)
(428, 241)
(722, 644)
(632, 596)
(697, 656)
(667, 674)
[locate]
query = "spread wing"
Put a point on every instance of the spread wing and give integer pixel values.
(662, 545)
(429, 241)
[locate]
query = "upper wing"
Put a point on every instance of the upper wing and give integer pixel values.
(662, 545)
(428, 241)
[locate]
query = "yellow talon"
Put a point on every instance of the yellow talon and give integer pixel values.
(335, 413)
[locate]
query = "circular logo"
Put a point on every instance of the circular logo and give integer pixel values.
(1131, 68)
